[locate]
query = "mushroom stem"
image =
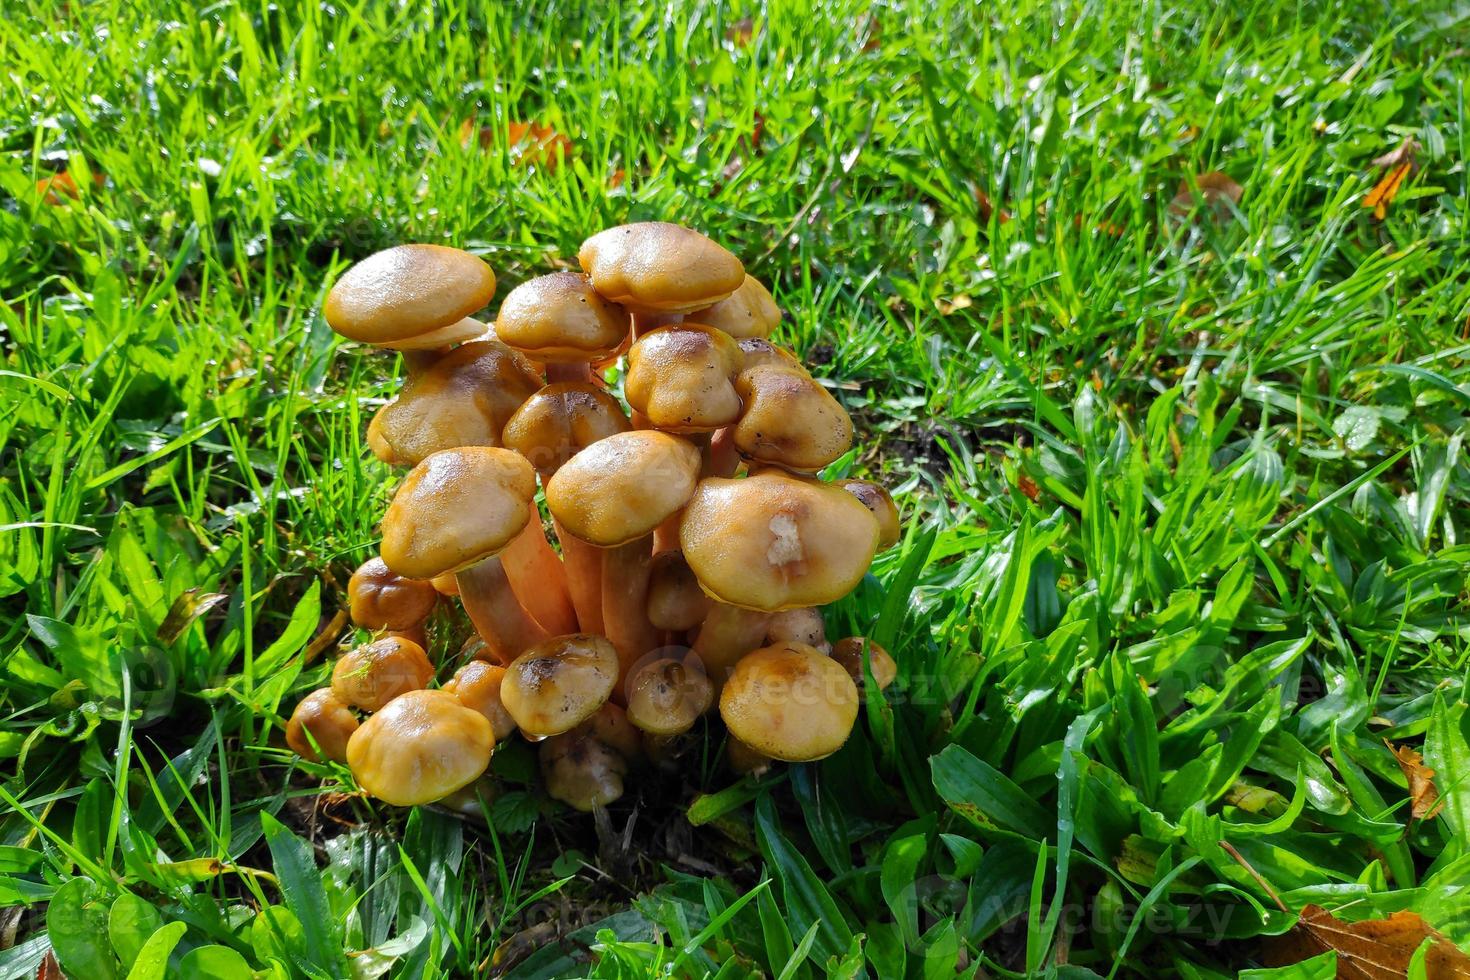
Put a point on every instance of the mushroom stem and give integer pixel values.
(644, 322)
(575, 371)
(583, 565)
(729, 633)
(723, 459)
(539, 581)
(625, 599)
(498, 615)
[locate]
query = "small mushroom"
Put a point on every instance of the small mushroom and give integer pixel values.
(421, 747)
(659, 271)
(682, 378)
(563, 322)
(584, 773)
(757, 352)
(464, 399)
(557, 684)
(675, 600)
(613, 494)
(411, 297)
(371, 675)
(477, 686)
(766, 543)
(790, 420)
(804, 625)
(380, 599)
(790, 702)
(611, 727)
(455, 512)
(666, 696)
(880, 503)
(329, 721)
(849, 653)
(750, 311)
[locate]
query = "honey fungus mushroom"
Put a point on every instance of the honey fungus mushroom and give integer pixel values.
(562, 321)
(790, 702)
(659, 271)
(675, 600)
(613, 494)
(789, 420)
(666, 696)
(477, 686)
(852, 651)
(371, 675)
(556, 685)
(411, 297)
(682, 378)
(464, 399)
(329, 722)
(421, 747)
(880, 504)
(750, 311)
(803, 625)
(380, 599)
(584, 773)
(767, 543)
(457, 511)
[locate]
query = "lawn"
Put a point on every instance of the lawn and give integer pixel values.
(1183, 590)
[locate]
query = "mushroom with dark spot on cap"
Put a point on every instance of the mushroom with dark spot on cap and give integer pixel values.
(765, 543)
(456, 512)
(560, 683)
(477, 686)
(584, 773)
(675, 600)
(563, 322)
(790, 420)
(804, 625)
(666, 696)
(329, 722)
(790, 702)
(613, 494)
(880, 503)
(419, 748)
(659, 271)
(371, 675)
(850, 653)
(750, 311)
(380, 599)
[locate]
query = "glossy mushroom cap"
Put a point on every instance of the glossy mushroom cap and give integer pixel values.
(667, 696)
(849, 653)
(455, 508)
(371, 675)
(477, 685)
(380, 599)
(560, 421)
(675, 600)
(584, 773)
(749, 311)
(620, 488)
(657, 267)
(683, 378)
(790, 420)
(611, 727)
(790, 702)
(803, 625)
(328, 720)
(759, 352)
(880, 503)
(773, 541)
(408, 290)
(423, 746)
(463, 399)
(556, 685)
(561, 318)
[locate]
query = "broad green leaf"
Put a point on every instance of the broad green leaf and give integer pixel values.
(981, 794)
(215, 963)
(301, 886)
(807, 899)
(76, 921)
(130, 923)
(152, 960)
(1447, 752)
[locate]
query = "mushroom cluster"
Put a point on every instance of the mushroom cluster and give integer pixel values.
(695, 543)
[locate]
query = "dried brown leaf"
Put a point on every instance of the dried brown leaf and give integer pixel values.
(1423, 795)
(1217, 192)
(1383, 192)
(189, 606)
(1373, 949)
(1405, 152)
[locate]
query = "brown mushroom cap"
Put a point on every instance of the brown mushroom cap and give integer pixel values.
(477, 685)
(749, 311)
(421, 747)
(556, 685)
(461, 332)
(657, 267)
(620, 488)
(463, 399)
(561, 318)
(371, 675)
(455, 508)
(328, 720)
(880, 503)
(407, 290)
(380, 599)
(790, 702)
(744, 759)
(757, 352)
(849, 653)
(790, 419)
(560, 421)
(773, 541)
(682, 378)
(675, 600)
(583, 773)
(804, 625)
(667, 696)
(611, 727)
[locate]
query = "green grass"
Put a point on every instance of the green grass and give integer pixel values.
(1187, 499)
